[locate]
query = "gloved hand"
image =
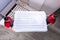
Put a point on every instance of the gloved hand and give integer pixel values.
(8, 22)
(51, 19)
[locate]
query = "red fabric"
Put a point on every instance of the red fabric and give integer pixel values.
(51, 18)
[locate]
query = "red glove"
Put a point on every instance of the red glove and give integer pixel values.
(51, 18)
(7, 22)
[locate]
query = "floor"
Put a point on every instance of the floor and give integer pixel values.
(6, 34)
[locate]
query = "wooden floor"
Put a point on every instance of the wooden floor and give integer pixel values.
(6, 34)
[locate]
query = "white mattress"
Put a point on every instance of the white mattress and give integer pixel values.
(30, 21)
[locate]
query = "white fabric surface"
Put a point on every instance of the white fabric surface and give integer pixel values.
(30, 21)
